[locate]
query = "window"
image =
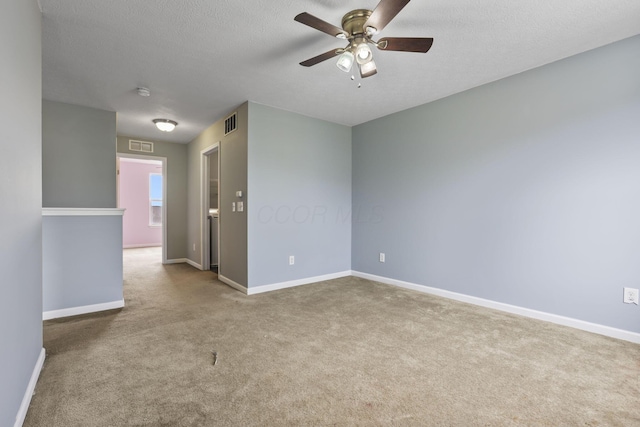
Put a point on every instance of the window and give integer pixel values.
(155, 199)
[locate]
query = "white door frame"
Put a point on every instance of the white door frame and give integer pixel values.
(205, 233)
(164, 193)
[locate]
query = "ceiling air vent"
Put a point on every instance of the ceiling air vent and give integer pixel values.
(230, 124)
(141, 146)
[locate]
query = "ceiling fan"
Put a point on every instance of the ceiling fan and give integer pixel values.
(358, 27)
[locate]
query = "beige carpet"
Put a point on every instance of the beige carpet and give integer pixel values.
(338, 353)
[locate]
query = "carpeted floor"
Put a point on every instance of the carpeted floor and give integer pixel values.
(346, 352)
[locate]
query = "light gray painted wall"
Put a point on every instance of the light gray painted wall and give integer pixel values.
(525, 191)
(78, 152)
(233, 177)
(299, 196)
(176, 155)
(82, 261)
(21, 194)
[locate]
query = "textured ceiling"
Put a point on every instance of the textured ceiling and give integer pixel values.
(202, 58)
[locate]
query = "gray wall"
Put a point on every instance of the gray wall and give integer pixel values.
(299, 196)
(82, 261)
(78, 152)
(525, 191)
(233, 177)
(176, 155)
(21, 194)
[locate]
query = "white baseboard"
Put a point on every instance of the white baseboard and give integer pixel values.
(194, 264)
(142, 245)
(74, 311)
(175, 261)
(233, 284)
(526, 312)
(298, 282)
(28, 394)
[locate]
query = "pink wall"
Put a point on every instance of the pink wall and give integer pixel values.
(134, 197)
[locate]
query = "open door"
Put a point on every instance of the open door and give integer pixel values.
(210, 221)
(142, 191)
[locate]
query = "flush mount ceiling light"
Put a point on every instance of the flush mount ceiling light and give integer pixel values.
(358, 26)
(165, 125)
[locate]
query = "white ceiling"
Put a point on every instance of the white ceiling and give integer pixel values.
(203, 58)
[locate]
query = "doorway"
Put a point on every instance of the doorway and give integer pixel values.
(141, 185)
(210, 222)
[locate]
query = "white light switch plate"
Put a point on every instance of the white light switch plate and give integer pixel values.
(240, 206)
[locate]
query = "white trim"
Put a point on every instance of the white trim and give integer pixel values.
(165, 200)
(175, 261)
(74, 311)
(31, 387)
(193, 264)
(140, 156)
(522, 311)
(82, 212)
(298, 282)
(233, 284)
(142, 245)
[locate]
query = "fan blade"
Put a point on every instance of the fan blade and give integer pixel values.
(368, 69)
(320, 25)
(318, 59)
(384, 12)
(406, 44)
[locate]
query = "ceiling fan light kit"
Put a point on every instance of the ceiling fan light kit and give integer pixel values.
(363, 53)
(345, 61)
(368, 69)
(358, 26)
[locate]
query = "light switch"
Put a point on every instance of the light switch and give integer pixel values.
(240, 206)
(233, 206)
(239, 194)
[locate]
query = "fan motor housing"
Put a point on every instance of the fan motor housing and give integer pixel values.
(353, 22)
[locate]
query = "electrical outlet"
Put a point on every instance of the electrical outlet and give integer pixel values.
(292, 260)
(194, 247)
(382, 257)
(631, 296)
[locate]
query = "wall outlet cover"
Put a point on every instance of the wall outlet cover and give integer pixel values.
(292, 260)
(631, 296)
